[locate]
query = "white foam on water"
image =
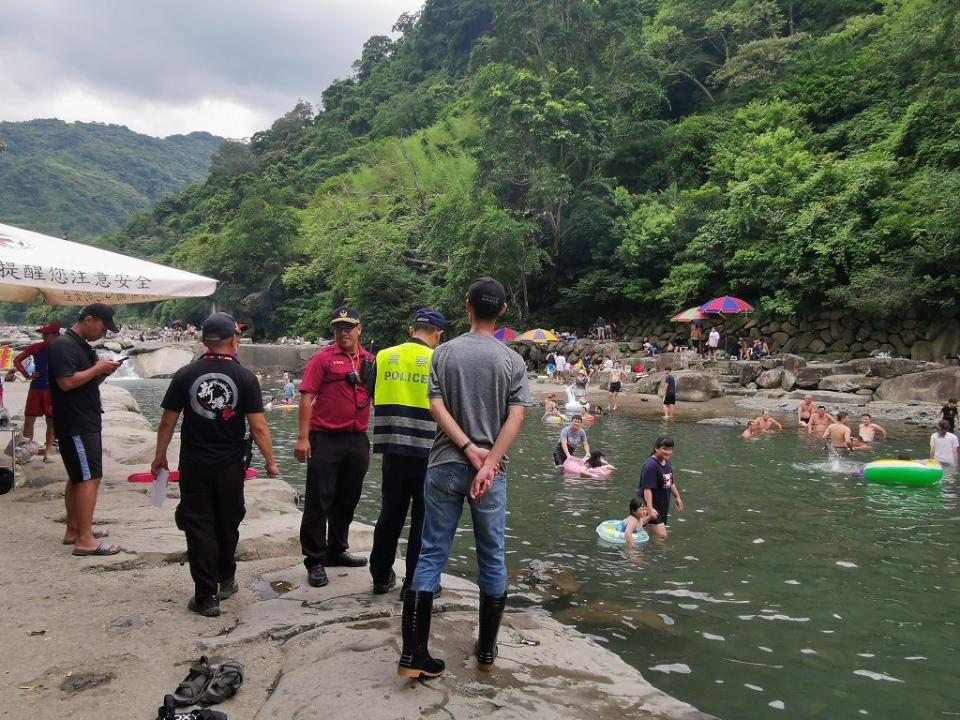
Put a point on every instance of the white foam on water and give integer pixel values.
(866, 655)
(915, 657)
(687, 606)
(791, 582)
(667, 620)
(690, 557)
(808, 651)
(719, 682)
(776, 704)
(693, 595)
(757, 688)
(765, 649)
(877, 676)
(845, 564)
(837, 616)
(679, 668)
(758, 541)
(710, 636)
(776, 616)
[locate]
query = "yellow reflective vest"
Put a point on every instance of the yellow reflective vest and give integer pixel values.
(402, 423)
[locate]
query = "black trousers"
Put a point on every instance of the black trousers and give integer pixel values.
(402, 482)
(210, 510)
(338, 462)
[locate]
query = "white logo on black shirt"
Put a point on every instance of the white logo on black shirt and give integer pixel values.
(211, 394)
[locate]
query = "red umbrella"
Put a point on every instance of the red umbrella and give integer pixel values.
(505, 334)
(726, 305)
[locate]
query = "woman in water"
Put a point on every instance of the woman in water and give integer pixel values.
(657, 485)
(592, 465)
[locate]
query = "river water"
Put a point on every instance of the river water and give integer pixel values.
(788, 588)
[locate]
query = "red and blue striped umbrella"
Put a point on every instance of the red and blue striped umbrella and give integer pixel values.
(726, 305)
(505, 334)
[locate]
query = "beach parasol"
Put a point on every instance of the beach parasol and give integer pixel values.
(504, 334)
(690, 315)
(726, 305)
(69, 273)
(538, 336)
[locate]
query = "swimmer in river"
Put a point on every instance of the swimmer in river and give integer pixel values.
(639, 516)
(594, 463)
(820, 420)
(765, 422)
(751, 431)
(868, 429)
(550, 408)
(805, 411)
(837, 436)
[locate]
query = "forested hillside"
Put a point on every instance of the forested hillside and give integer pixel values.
(624, 156)
(83, 179)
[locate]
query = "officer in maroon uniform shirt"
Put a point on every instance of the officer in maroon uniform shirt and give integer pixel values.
(332, 440)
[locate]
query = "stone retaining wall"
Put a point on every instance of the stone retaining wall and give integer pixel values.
(834, 334)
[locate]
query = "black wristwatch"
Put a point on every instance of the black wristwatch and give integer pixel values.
(468, 443)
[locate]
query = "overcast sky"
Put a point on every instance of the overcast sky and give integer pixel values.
(161, 67)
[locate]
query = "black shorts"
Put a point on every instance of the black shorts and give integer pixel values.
(663, 509)
(82, 456)
(669, 399)
(615, 387)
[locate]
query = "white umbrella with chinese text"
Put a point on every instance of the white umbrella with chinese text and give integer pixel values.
(63, 272)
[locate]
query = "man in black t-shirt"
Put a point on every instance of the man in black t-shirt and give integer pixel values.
(75, 377)
(218, 397)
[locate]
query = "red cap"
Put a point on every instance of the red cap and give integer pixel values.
(49, 328)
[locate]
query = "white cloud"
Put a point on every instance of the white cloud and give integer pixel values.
(173, 66)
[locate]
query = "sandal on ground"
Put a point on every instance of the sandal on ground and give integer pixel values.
(226, 681)
(167, 711)
(194, 685)
(101, 550)
(97, 535)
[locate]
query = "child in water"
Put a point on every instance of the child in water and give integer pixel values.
(639, 516)
(593, 463)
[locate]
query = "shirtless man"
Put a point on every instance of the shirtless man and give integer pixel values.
(751, 431)
(616, 383)
(805, 411)
(837, 435)
(820, 420)
(764, 422)
(868, 429)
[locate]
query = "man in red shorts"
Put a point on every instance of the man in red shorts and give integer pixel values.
(38, 396)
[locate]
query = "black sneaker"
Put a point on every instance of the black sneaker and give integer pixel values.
(345, 559)
(228, 588)
(208, 606)
(317, 576)
(381, 587)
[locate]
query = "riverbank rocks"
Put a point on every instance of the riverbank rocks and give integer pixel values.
(161, 362)
(770, 378)
(849, 383)
(809, 376)
(934, 386)
(829, 397)
(697, 386)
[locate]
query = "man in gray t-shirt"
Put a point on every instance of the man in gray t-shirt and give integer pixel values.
(478, 392)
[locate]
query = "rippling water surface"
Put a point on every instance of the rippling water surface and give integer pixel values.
(789, 587)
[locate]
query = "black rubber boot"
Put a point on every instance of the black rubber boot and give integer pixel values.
(415, 660)
(491, 613)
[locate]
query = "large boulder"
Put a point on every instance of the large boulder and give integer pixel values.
(793, 362)
(669, 361)
(849, 383)
(697, 386)
(648, 385)
(809, 376)
(931, 386)
(829, 397)
(748, 369)
(888, 368)
(770, 378)
(161, 362)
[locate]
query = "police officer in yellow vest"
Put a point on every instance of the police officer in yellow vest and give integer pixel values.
(403, 431)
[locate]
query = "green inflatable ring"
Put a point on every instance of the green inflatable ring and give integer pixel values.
(903, 472)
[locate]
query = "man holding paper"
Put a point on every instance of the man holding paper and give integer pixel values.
(218, 397)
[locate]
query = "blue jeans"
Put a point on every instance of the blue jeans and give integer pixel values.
(445, 488)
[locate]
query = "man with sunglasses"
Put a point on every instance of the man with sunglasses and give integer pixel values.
(332, 440)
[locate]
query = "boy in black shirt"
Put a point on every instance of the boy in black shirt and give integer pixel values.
(949, 413)
(218, 397)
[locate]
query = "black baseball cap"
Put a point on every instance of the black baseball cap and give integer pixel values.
(100, 312)
(486, 292)
(220, 326)
(344, 314)
(431, 317)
